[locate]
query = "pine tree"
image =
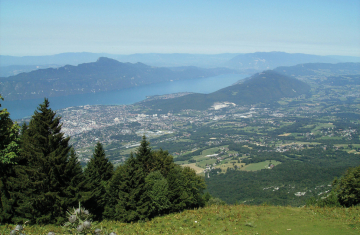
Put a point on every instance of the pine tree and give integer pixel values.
(150, 184)
(46, 150)
(100, 164)
(98, 172)
(128, 187)
(77, 181)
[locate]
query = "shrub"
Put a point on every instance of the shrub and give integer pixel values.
(347, 187)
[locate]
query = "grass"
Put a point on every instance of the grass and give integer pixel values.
(181, 162)
(259, 165)
(211, 151)
(236, 219)
(224, 166)
(204, 162)
(321, 125)
(197, 169)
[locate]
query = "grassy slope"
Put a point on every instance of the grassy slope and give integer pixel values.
(238, 219)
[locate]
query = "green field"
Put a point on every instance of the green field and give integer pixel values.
(203, 163)
(212, 150)
(259, 165)
(237, 219)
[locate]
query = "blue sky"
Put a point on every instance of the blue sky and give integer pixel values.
(45, 27)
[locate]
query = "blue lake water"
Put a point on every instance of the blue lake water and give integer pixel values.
(23, 108)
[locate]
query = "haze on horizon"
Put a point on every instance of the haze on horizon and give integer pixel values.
(41, 27)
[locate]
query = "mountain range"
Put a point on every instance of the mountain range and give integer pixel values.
(249, 62)
(319, 69)
(103, 75)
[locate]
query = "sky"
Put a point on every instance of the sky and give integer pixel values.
(44, 27)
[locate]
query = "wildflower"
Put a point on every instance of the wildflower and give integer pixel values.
(72, 218)
(18, 227)
(80, 228)
(87, 224)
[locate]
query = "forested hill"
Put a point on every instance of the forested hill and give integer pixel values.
(103, 75)
(320, 69)
(265, 87)
(270, 60)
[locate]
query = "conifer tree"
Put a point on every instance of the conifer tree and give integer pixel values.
(77, 181)
(100, 164)
(150, 184)
(98, 172)
(46, 150)
(128, 187)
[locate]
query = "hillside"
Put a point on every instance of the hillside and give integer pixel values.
(265, 87)
(237, 219)
(103, 75)
(319, 69)
(271, 60)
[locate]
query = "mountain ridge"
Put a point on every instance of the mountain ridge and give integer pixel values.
(103, 75)
(265, 87)
(250, 62)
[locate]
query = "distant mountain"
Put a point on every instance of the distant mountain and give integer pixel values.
(271, 60)
(248, 63)
(266, 87)
(319, 69)
(343, 59)
(103, 75)
(12, 70)
(153, 59)
(59, 59)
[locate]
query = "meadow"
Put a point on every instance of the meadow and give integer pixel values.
(231, 219)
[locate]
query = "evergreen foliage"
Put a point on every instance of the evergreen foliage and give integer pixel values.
(150, 184)
(98, 172)
(77, 181)
(44, 196)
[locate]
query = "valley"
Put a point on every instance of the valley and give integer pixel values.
(289, 149)
(314, 135)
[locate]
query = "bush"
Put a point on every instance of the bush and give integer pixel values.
(330, 201)
(216, 202)
(347, 187)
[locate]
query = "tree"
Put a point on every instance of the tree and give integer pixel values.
(150, 184)
(157, 189)
(76, 189)
(347, 187)
(127, 191)
(9, 138)
(100, 164)
(98, 172)
(186, 189)
(46, 150)
(9, 152)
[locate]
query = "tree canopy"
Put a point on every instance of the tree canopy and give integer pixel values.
(150, 184)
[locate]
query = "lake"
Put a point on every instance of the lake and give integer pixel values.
(24, 108)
